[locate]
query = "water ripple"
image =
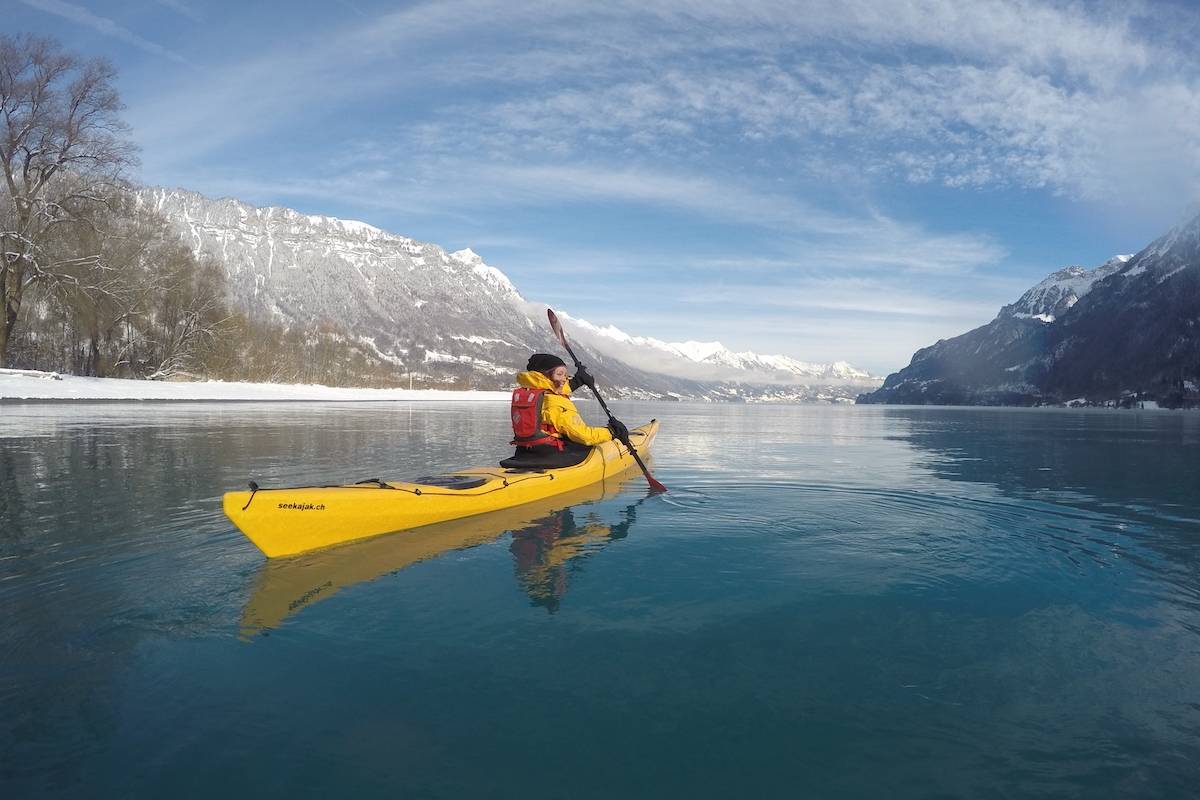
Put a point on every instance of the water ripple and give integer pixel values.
(996, 537)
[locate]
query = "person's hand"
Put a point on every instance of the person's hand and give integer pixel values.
(619, 431)
(582, 378)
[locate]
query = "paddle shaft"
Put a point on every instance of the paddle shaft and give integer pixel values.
(562, 338)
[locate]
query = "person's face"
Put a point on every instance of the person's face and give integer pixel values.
(558, 376)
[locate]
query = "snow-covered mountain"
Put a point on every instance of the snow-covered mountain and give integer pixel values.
(714, 361)
(1061, 290)
(1127, 328)
(409, 303)
(450, 317)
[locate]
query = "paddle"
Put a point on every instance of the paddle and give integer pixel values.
(562, 339)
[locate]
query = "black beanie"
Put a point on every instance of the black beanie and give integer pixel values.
(544, 362)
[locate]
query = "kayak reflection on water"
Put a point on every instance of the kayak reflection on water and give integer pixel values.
(545, 533)
(550, 549)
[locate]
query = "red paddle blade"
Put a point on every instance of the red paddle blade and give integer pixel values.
(556, 326)
(655, 486)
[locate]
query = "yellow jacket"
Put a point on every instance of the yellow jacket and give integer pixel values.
(559, 411)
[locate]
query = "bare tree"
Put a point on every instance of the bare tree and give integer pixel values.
(63, 153)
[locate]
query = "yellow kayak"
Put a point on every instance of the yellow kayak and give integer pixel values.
(284, 522)
(286, 586)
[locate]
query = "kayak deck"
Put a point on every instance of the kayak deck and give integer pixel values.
(285, 522)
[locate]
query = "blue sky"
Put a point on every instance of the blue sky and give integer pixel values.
(829, 180)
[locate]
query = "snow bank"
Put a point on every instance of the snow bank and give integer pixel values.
(18, 385)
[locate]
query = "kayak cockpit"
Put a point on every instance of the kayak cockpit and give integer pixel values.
(451, 481)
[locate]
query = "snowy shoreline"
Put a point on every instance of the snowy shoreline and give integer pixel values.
(28, 386)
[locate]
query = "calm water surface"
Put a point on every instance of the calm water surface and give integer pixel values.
(831, 602)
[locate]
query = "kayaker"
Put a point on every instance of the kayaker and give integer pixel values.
(547, 427)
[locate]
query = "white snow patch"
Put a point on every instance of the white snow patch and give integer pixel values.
(369, 341)
(1172, 272)
(496, 279)
(31, 373)
(1064, 287)
(482, 340)
(354, 226)
(72, 387)
(348, 225)
(479, 363)
(467, 256)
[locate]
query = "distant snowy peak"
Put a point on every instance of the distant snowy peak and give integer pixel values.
(1060, 291)
(717, 354)
(719, 360)
(1123, 332)
(697, 351)
(467, 256)
(838, 370)
(1170, 254)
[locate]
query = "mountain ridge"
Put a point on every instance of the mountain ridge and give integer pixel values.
(1126, 331)
(445, 316)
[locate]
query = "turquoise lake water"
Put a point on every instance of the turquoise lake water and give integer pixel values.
(831, 602)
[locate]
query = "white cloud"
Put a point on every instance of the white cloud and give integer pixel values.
(997, 94)
(994, 93)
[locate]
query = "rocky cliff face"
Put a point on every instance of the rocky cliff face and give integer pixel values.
(1129, 327)
(439, 316)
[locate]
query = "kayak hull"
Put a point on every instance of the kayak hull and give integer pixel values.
(286, 522)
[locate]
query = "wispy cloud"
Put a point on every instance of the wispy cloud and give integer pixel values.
(865, 296)
(82, 16)
(997, 94)
(1000, 93)
(182, 8)
(833, 240)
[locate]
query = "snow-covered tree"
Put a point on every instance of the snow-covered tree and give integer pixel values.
(63, 155)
